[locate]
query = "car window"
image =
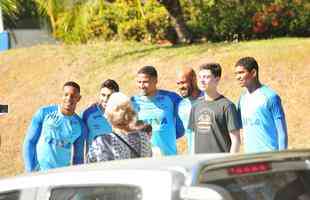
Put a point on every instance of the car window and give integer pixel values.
(13, 195)
(105, 192)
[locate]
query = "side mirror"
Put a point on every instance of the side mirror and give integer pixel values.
(204, 192)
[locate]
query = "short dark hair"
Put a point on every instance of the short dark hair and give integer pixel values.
(110, 84)
(148, 70)
(248, 63)
(215, 68)
(73, 84)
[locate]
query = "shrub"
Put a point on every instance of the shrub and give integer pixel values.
(132, 30)
(219, 20)
(157, 22)
(284, 17)
(214, 20)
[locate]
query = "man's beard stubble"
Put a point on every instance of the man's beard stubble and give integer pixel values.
(185, 92)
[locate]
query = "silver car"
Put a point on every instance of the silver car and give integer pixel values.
(267, 176)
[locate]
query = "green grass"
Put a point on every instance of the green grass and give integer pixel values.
(33, 77)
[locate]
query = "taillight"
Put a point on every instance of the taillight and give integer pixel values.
(249, 168)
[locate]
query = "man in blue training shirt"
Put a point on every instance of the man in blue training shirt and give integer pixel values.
(188, 89)
(158, 108)
(55, 135)
(260, 109)
(93, 116)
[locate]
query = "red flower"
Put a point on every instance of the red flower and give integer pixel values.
(275, 22)
(259, 27)
(290, 13)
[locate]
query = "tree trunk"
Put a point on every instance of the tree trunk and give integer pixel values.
(175, 11)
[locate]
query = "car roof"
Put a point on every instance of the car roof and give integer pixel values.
(273, 156)
(154, 163)
(121, 171)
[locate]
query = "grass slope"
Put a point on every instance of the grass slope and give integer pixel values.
(33, 77)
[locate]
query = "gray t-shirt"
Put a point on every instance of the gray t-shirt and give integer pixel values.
(211, 122)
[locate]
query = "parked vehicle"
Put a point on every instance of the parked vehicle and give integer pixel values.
(268, 176)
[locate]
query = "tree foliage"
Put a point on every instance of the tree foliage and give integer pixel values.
(78, 21)
(9, 9)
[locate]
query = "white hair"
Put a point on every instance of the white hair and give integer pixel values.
(116, 99)
(119, 112)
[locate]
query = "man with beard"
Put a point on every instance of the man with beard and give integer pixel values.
(55, 135)
(188, 89)
(158, 108)
(94, 117)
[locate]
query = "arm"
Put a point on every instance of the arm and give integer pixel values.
(180, 129)
(145, 146)
(235, 141)
(84, 116)
(280, 122)
(233, 126)
(175, 98)
(101, 149)
(79, 146)
(191, 126)
(238, 108)
(282, 133)
(31, 140)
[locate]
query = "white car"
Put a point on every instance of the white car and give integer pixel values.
(269, 176)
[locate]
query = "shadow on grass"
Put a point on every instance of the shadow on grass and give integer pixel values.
(134, 53)
(140, 53)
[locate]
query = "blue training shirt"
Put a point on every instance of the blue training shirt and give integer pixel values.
(96, 123)
(263, 120)
(184, 110)
(50, 138)
(159, 112)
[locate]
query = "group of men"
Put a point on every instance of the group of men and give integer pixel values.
(211, 123)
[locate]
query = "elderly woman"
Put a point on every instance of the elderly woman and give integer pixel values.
(129, 138)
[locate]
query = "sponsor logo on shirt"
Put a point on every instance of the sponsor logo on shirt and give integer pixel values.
(204, 122)
(96, 126)
(156, 123)
(60, 143)
(96, 116)
(251, 122)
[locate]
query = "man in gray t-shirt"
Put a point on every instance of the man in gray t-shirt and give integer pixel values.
(212, 121)
(214, 118)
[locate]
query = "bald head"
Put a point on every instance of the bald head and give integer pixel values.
(187, 82)
(187, 72)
